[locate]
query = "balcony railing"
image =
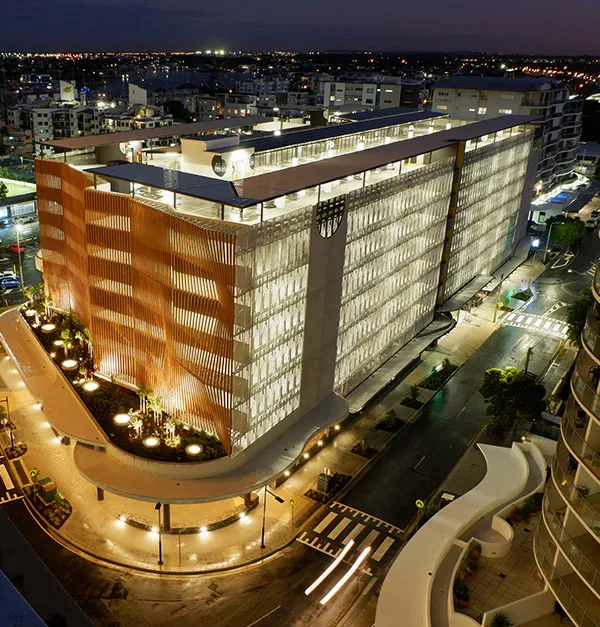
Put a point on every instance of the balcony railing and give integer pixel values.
(596, 282)
(585, 392)
(587, 510)
(542, 543)
(591, 333)
(581, 563)
(573, 436)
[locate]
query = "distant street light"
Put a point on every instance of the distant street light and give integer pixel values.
(279, 500)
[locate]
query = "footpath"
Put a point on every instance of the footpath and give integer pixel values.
(98, 529)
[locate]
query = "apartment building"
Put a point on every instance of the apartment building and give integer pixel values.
(368, 94)
(54, 120)
(281, 271)
(566, 544)
(479, 97)
(262, 83)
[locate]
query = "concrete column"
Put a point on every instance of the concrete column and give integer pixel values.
(100, 493)
(66, 440)
(248, 499)
(166, 517)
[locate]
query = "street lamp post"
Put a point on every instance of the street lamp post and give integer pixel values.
(547, 242)
(279, 500)
(497, 297)
(160, 559)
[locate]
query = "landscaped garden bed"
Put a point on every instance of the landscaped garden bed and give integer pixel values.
(56, 512)
(364, 451)
(134, 421)
(338, 481)
(391, 423)
(439, 376)
(12, 452)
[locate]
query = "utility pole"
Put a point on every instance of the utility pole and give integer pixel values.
(497, 297)
(547, 242)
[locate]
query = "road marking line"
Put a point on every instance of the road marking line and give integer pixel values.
(263, 617)
(383, 548)
(356, 531)
(369, 540)
(339, 528)
(326, 521)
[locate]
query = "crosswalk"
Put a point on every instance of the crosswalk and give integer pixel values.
(538, 324)
(343, 524)
(7, 487)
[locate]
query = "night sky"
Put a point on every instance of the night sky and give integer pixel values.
(525, 26)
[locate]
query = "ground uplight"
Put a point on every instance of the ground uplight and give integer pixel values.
(123, 419)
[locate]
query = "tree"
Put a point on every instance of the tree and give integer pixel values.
(3, 190)
(511, 395)
(576, 315)
(566, 231)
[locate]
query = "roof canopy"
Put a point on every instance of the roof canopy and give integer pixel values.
(263, 187)
(175, 130)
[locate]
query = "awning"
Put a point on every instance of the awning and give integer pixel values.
(463, 296)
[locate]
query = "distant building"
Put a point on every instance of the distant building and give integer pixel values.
(52, 121)
(591, 119)
(369, 94)
(478, 98)
(264, 83)
(588, 159)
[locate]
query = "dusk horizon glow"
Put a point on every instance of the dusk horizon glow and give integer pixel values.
(133, 25)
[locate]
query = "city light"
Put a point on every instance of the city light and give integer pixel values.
(48, 327)
(151, 442)
(69, 364)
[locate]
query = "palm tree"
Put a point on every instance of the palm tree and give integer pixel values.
(66, 336)
(155, 406)
(144, 393)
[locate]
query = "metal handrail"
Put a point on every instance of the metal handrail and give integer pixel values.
(560, 589)
(577, 443)
(582, 564)
(585, 393)
(567, 489)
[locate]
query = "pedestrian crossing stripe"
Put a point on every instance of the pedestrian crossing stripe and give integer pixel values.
(343, 524)
(539, 324)
(9, 496)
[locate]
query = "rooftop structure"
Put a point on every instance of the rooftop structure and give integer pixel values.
(253, 304)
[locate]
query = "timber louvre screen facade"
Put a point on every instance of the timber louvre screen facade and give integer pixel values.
(159, 287)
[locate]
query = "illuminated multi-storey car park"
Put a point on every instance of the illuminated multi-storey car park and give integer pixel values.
(254, 304)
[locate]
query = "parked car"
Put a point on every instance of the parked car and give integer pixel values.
(7, 274)
(591, 223)
(595, 213)
(13, 248)
(9, 282)
(25, 220)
